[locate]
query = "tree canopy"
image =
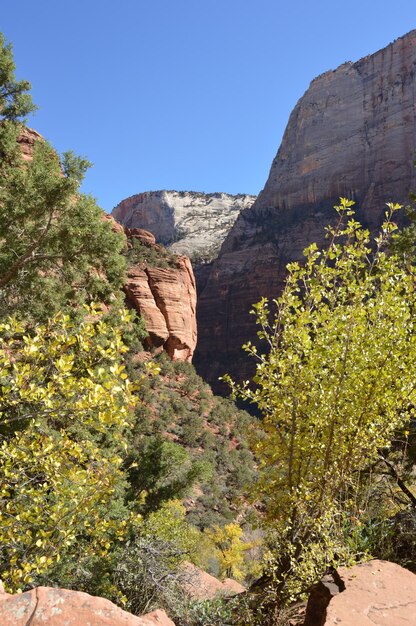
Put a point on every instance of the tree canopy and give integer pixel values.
(53, 239)
(66, 410)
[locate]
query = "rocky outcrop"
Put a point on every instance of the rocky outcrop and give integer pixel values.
(202, 586)
(189, 223)
(46, 606)
(138, 233)
(377, 593)
(165, 297)
(26, 141)
(115, 226)
(352, 134)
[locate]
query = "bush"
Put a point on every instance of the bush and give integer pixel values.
(333, 388)
(65, 413)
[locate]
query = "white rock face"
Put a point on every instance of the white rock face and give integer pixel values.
(190, 223)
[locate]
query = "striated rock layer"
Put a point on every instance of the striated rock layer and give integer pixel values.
(165, 297)
(352, 134)
(190, 223)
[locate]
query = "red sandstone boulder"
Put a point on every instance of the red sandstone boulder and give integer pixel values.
(232, 587)
(45, 606)
(142, 235)
(377, 593)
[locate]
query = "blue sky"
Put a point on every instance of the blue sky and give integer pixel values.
(183, 94)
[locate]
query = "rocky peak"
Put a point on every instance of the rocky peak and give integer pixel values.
(352, 134)
(189, 223)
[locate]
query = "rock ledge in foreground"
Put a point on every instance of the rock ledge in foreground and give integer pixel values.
(46, 606)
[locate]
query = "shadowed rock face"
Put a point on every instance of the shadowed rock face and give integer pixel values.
(352, 134)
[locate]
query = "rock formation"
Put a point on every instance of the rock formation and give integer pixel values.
(190, 223)
(26, 141)
(203, 586)
(115, 226)
(46, 606)
(166, 299)
(352, 134)
(377, 593)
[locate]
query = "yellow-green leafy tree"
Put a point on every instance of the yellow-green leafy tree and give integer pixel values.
(231, 550)
(66, 409)
(335, 382)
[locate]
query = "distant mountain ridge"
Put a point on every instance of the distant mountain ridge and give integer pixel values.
(190, 223)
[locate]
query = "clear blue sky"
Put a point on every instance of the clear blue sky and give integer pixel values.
(183, 94)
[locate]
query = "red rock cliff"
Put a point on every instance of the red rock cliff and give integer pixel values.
(352, 134)
(166, 299)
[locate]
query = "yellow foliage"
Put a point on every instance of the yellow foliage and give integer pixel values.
(231, 549)
(63, 392)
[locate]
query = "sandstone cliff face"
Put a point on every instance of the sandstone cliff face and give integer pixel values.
(190, 223)
(166, 299)
(352, 134)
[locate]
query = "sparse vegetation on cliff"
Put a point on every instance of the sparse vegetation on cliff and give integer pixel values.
(154, 255)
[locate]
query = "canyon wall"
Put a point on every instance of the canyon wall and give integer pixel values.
(352, 134)
(165, 297)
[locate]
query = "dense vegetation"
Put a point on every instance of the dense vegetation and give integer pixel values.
(97, 448)
(54, 242)
(115, 471)
(337, 391)
(184, 435)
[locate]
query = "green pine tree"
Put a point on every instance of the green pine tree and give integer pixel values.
(56, 251)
